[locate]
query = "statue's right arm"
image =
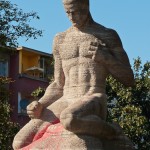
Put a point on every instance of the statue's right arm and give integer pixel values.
(55, 90)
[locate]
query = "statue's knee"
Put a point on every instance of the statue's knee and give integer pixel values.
(17, 144)
(67, 120)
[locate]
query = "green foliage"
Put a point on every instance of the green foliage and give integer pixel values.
(131, 106)
(38, 93)
(14, 24)
(8, 129)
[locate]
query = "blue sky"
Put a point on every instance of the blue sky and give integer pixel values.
(130, 18)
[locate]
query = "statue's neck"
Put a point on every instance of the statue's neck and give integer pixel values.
(88, 22)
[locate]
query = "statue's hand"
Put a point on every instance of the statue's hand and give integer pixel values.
(34, 109)
(98, 51)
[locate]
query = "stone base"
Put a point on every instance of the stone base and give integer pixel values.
(57, 138)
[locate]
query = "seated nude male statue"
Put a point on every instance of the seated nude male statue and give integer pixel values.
(84, 56)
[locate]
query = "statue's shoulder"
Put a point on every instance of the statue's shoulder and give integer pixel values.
(59, 37)
(58, 40)
(110, 36)
(107, 31)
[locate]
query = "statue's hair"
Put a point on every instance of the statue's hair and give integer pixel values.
(76, 1)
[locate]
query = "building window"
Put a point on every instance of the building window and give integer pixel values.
(23, 102)
(47, 64)
(3, 67)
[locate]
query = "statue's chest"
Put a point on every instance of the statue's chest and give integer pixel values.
(76, 45)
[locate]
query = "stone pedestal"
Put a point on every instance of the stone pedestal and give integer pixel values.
(57, 138)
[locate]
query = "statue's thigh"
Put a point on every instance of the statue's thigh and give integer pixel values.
(54, 110)
(89, 105)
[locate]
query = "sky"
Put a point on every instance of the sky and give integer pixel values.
(130, 18)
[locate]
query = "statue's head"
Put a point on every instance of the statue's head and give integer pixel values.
(76, 1)
(77, 11)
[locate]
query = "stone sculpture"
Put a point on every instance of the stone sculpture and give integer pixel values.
(72, 112)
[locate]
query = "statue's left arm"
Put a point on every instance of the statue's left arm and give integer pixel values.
(119, 69)
(116, 61)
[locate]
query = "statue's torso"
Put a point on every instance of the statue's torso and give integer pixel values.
(82, 73)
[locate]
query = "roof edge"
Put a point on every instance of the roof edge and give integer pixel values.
(33, 50)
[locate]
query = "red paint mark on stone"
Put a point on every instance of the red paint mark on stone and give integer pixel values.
(49, 137)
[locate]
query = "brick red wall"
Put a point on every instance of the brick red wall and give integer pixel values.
(23, 85)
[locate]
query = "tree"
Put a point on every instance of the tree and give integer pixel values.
(38, 93)
(14, 24)
(8, 129)
(131, 106)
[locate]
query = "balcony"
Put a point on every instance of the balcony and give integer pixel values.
(34, 64)
(35, 73)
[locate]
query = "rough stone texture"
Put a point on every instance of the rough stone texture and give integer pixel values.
(57, 138)
(84, 55)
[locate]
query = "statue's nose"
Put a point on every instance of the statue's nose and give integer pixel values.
(71, 16)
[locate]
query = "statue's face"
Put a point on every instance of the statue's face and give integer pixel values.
(77, 13)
